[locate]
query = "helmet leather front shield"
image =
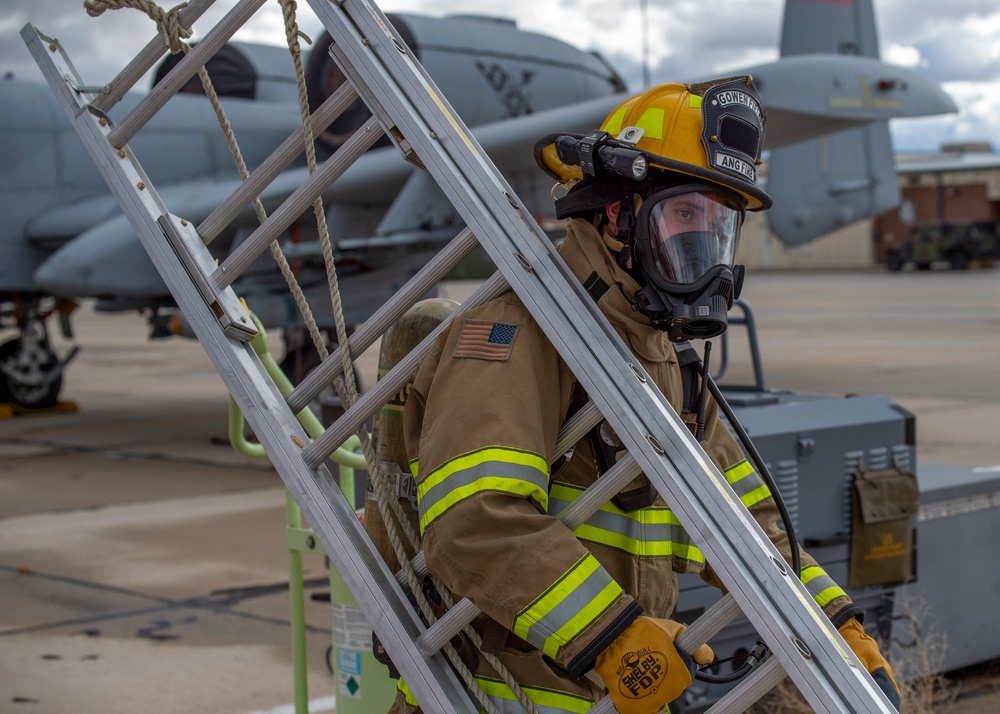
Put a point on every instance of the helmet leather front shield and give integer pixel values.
(733, 129)
(682, 233)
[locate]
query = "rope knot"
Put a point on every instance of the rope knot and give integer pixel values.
(168, 22)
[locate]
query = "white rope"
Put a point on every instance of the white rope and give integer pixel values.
(174, 37)
(346, 388)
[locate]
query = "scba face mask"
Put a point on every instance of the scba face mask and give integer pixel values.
(685, 244)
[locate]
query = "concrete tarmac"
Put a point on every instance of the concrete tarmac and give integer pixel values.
(142, 562)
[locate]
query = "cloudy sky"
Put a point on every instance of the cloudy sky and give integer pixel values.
(956, 43)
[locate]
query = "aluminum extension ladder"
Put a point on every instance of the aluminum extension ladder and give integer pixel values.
(409, 109)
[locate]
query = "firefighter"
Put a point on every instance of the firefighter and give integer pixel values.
(654, 212)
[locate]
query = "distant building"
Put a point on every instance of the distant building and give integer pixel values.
(849, 248)
(961, 183)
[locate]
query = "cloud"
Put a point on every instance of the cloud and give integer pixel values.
(98, 47)
(956, 41)
(976, 121)
(942, 62)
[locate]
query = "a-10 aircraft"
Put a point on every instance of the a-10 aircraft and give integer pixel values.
(63, 235)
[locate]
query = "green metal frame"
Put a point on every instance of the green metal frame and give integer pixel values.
(299, 540)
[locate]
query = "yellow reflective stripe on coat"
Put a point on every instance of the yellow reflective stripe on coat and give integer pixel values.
(652, 532)
(568, 607)
(747, 483)
(407, 694)
(821, 586)
(494, 468)
(546, 701)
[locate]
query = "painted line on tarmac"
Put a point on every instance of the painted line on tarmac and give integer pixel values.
(322, 704)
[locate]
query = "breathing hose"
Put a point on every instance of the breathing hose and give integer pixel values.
(760, 651)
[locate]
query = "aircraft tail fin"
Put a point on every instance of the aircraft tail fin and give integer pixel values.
(841, 178)
(842, 27)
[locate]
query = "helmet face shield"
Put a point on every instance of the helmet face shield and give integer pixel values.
(685, 244)
(684, 232)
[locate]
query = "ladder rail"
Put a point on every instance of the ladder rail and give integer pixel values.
(749, 565)
(424, 126)
(330, 515)
(752, 568)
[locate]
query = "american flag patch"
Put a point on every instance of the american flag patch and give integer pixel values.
(483, 339)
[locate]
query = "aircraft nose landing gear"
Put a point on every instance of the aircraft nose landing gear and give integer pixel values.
(30, 372)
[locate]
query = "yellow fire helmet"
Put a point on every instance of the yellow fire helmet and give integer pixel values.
(712, 131)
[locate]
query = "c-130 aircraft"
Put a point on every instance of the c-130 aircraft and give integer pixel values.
(65, 238)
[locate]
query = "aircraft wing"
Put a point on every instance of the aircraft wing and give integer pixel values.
(400, 206)
(106, 258)
(383, 201)
(57, 225)
(101, 253)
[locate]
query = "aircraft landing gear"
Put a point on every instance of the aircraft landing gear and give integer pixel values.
(30, 372)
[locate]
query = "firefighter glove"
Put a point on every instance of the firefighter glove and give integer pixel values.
(642, 668)
(867, 651)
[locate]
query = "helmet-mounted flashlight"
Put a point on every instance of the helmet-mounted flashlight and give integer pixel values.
(597, 153)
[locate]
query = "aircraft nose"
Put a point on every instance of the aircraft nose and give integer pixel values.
(107, 260)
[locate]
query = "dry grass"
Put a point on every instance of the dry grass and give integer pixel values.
(915, 659)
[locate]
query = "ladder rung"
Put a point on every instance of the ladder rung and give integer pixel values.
(440, 633)
(582, 508)
(228, 210)
(406, 102)
(386, 316)
(577, 426)
(371, 401)
(572, 431)
(757, 684)
(144, 61)
(296, 204)
(600, 492)
(419, 565)
(711, 622)
(179, 75)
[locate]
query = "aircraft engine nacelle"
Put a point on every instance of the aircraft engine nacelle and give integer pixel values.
(243, 70)
(486, 68)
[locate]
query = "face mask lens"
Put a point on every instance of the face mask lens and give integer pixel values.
(689, 233)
